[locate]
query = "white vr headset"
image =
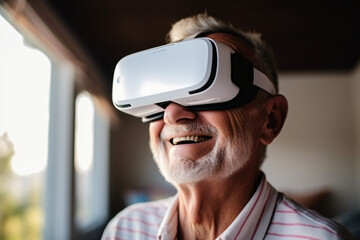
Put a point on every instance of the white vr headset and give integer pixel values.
(201, 74)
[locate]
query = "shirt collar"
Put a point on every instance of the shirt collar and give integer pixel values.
(251, 223)
(169, 225)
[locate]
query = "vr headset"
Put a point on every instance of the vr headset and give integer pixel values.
(201, 74)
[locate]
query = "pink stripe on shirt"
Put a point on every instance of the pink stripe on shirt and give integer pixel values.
(292, 236)
(140, 221)
(262, 213)
(302, 225)
(309, 212)
(252, 208)
(136, 231)
(147, 213)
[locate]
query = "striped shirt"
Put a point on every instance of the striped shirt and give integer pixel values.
(268, 215)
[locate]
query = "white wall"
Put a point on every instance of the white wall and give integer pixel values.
(319, 145)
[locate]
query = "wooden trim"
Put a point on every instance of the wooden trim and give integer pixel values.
(40, 24)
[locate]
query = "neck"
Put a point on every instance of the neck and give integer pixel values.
(207, 208)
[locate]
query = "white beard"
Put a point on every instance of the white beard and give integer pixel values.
(222, 161)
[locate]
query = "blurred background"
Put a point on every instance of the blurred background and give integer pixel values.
(69, 161)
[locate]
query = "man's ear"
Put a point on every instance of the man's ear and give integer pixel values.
(276, 108)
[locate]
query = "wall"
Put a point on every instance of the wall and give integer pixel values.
(132, 167)
(317, 148)
(356, 96)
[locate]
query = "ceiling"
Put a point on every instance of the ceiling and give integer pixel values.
(308, 35)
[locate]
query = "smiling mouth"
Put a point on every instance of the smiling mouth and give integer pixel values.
(189, 139)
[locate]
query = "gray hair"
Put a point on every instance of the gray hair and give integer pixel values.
(190, 27)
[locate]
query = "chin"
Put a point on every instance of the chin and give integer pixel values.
(183, 170)
(221, 162)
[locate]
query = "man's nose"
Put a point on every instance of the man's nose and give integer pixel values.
(175, 113)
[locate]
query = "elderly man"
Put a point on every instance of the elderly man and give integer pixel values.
(213, 155)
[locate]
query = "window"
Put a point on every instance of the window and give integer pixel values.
(91, 129)
(53, 146)
(24, 110)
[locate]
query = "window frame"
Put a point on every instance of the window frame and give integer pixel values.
(94, 231)
(72, 72)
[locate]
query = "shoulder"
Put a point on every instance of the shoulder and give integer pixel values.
(141, 219)
(291, 219)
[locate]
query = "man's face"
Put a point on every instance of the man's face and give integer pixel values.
(194, 146)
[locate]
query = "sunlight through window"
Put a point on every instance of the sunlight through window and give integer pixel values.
(24, 100)
(25, 74)
(91, 141)
(84, 140)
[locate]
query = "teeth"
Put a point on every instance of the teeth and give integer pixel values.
(195, 139)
